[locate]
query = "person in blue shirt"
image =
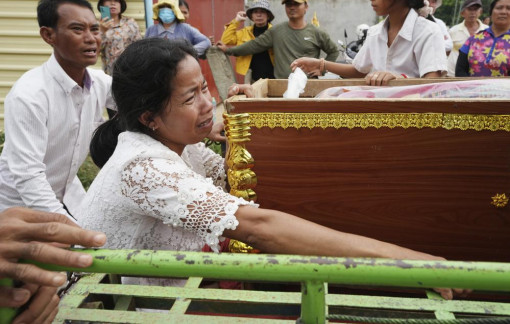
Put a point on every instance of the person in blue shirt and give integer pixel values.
(172, 26)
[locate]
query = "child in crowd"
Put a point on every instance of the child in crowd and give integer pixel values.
(405, 44)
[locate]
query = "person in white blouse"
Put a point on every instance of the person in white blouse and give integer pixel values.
(404, 44)
(160, 188)
(51, 112)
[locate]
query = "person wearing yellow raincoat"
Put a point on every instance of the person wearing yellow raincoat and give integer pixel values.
(261, 64)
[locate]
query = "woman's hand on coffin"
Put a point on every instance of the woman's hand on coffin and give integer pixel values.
(216, 134)
(380, 78)
(236, 89)
(446, 293)
(311, 66)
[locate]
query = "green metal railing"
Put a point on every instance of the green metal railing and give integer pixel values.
(312, 272)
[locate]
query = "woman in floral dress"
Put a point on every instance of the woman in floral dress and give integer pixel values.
(487, 53)
(117, 32)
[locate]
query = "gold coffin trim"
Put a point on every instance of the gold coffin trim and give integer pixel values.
(379, 120)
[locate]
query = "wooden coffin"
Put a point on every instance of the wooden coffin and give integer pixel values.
(429, 174)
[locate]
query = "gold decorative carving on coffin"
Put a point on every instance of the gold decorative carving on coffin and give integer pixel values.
(379, 120)
(241, 178)
(500, 200)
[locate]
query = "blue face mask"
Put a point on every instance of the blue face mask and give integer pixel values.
(166, 15)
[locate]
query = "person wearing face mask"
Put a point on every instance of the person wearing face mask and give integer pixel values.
(171, 25)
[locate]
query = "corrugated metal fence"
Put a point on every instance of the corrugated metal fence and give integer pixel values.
(21, 47)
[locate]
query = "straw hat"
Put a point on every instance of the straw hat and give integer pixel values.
(174, 5)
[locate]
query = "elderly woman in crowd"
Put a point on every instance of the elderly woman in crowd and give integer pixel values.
(488, 52)
(405, 44)
(172, 26)
(470, 11)
(161, 188)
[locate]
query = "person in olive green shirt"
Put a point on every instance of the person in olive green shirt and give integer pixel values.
(289, 40)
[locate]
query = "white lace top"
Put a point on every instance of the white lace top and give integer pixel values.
(148, 197)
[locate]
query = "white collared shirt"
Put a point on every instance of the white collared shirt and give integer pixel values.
(459, 34)
(448, 44)
(49, 120)
(417, 49)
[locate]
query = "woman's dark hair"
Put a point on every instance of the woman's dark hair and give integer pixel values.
(492, 5)
(123, 5)
(47, 11)
(183, 3)
(142, 81)
(417, 4)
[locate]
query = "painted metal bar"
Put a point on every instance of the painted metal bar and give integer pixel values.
(124, 303)
(110, 316)
(182, 303)
(405, 303)
(291, 268)
(190, 293)
(312, 270)
(440, 314)
(313, 302)
(382, 302)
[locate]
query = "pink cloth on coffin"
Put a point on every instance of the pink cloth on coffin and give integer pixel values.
(483, 88)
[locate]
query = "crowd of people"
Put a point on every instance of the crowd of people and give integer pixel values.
(156, 175)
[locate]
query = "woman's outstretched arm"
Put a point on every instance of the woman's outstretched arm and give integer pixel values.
(316, 67)
(272, 231)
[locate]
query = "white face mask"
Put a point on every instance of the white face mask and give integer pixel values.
(166, 15)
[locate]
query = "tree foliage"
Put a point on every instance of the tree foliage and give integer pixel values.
(449, 11)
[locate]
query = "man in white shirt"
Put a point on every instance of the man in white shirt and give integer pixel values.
(51, 112)
(448, 44)
(470, 11)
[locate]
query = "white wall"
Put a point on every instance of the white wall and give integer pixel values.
(334, 15)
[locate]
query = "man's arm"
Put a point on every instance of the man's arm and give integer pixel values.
(26, 139)
(24, 233)
(257, 45)
(329, 47)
